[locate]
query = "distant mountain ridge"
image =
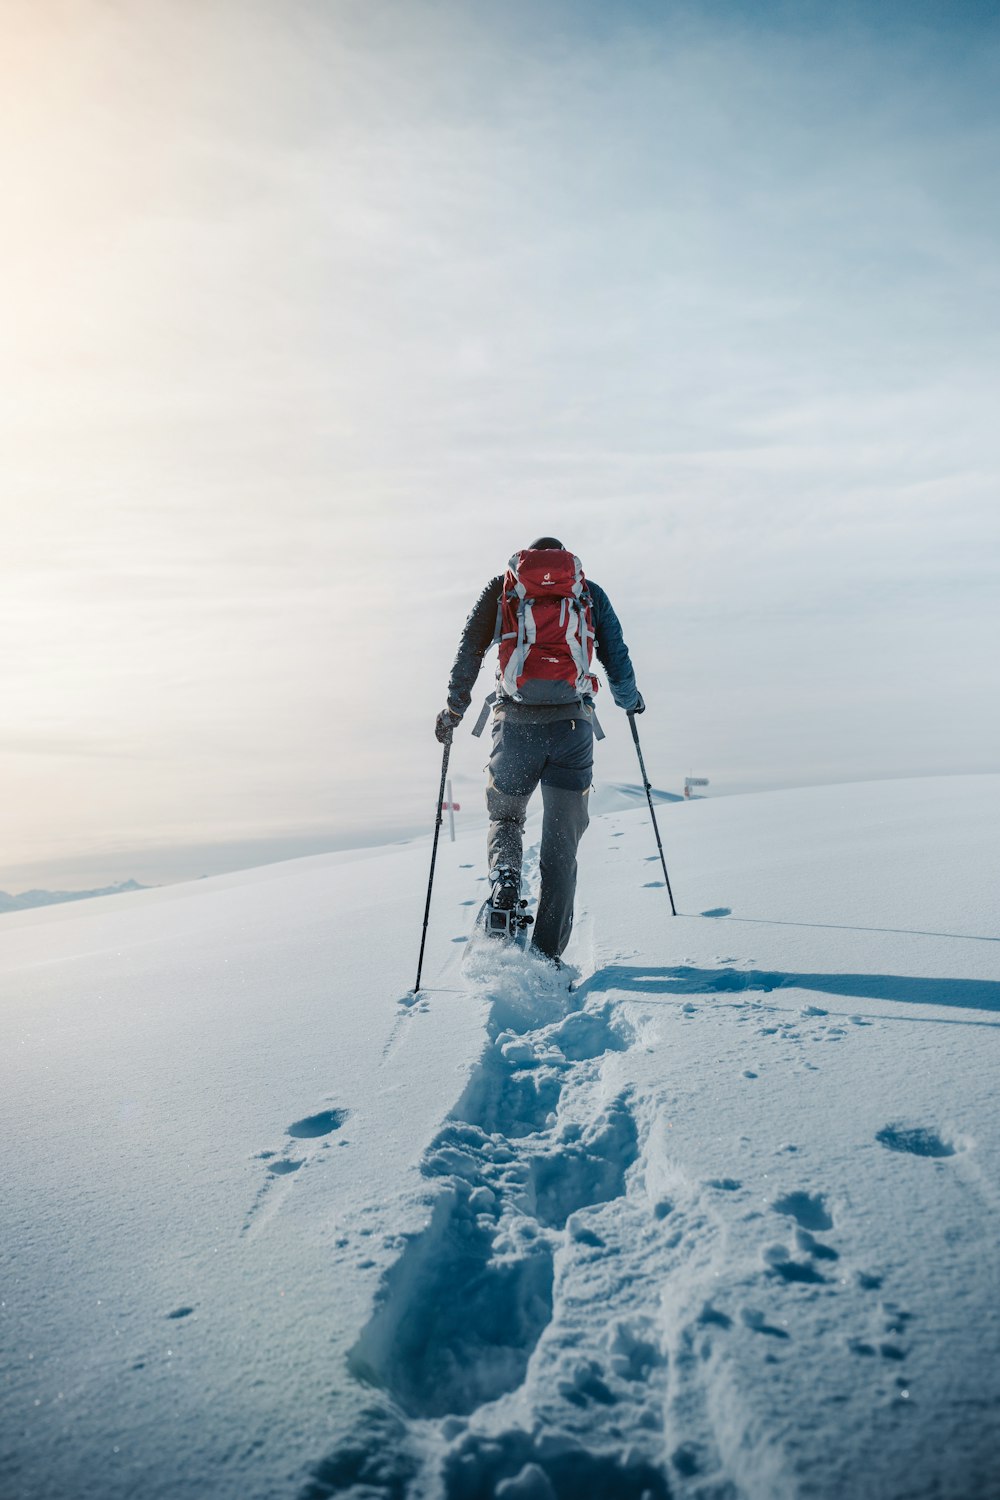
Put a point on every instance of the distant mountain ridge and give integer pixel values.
(50, 898)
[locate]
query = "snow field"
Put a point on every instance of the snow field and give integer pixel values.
(719, 1223)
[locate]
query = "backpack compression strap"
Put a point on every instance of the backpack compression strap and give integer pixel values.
(577, 633)
(525, 640)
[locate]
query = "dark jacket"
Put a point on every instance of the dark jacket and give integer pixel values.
(477, 637)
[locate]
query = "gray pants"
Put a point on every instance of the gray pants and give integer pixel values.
(560, 756)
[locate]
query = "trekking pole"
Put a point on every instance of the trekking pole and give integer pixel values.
(649, 799)
(434, 850)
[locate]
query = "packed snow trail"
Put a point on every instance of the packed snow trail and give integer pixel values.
(720, 1224)
(531, 1214)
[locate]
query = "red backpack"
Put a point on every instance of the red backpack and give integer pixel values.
(545, 629)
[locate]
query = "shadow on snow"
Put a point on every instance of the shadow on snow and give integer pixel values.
(969, 994)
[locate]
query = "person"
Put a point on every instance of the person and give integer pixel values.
(543, 726)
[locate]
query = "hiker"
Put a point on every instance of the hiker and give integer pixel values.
(547, 619)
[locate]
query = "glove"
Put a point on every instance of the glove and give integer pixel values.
(444, 725)
(639, 707)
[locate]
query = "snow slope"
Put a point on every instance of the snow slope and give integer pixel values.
(720, 1223)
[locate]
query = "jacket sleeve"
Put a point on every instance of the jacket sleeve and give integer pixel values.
(612, 651)
(477, 638)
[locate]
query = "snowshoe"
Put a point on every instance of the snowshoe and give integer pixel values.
(510, 923)
(504, 915)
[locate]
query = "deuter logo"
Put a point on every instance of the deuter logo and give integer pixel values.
(547, 578)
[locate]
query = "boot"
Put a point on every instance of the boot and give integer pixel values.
(506, 888)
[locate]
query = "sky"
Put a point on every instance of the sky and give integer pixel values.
(314, 312)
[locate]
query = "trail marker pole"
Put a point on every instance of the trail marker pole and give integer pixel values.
(649, 799)
(434, 850)
(453, 807)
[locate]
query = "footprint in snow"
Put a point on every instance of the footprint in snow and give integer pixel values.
(809, 1210)
(310, 1128)
(718, 911)
(914, 1140)
(316, 1125)
(652, 884)
(711, 1316)
(887, 1342)
(785, 1267)
(283, 1164)
(812, 1246)
(755, 1320)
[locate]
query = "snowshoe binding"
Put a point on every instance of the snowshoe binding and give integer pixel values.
(504, 916)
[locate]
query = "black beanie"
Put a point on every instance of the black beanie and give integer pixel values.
(546, 544)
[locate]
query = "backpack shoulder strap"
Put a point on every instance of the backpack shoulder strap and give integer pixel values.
(498, 627)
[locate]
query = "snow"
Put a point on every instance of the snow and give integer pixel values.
(721, 1222)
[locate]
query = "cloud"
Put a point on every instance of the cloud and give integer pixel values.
(317, 313)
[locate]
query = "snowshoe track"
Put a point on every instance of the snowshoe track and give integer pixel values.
(478, 1342)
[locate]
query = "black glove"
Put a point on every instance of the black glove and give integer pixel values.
(640, 706)
(444, 725)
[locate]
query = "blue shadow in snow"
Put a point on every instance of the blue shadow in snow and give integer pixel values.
(968, 994)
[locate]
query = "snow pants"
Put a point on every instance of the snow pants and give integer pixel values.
(559, 755)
